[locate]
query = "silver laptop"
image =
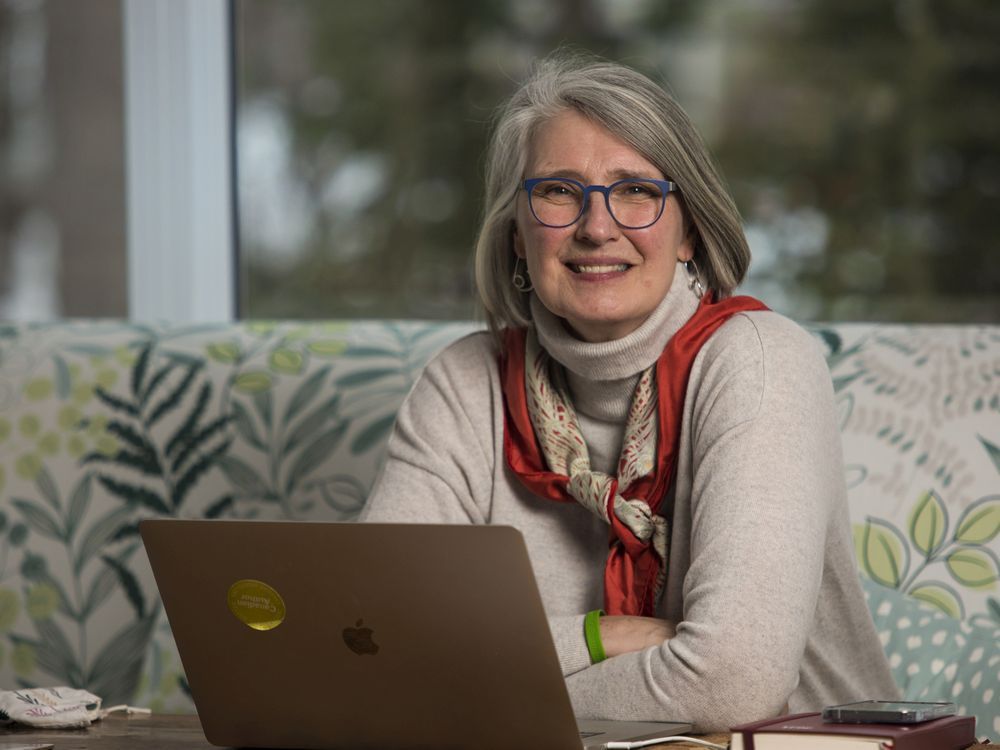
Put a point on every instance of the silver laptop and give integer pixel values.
(322, 635)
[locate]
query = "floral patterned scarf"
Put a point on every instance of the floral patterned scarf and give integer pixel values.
(545, 448)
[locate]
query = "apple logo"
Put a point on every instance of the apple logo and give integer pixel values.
(359, 639)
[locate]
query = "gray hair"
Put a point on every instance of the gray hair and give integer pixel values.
(643, 115)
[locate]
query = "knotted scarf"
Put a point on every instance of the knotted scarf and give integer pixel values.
(545, 448)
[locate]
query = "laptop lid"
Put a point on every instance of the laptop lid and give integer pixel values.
(323, 635)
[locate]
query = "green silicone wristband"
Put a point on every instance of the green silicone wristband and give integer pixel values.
(592, 635)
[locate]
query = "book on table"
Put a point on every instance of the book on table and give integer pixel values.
(799, 731)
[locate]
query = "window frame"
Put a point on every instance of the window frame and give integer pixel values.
(180, 165)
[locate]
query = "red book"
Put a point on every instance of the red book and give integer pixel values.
(810, 732)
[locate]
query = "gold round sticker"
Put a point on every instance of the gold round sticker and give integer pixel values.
(256, 604)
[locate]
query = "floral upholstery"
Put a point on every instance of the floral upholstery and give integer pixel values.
(105, 423)
(920, 420)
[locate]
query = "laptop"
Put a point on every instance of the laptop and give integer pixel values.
(327, 635)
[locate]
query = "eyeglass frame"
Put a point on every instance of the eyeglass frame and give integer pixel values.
(666, 186)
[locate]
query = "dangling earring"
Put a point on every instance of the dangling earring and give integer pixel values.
(520, 279)
(694, 283)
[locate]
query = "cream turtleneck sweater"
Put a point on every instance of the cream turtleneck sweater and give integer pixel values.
(761, 579)
(602, 377)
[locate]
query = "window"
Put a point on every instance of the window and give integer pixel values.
(858, 138)
(62, 204)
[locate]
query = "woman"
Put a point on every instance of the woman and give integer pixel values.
(624, 394)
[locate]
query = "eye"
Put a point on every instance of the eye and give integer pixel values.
(556, 188)
(557, 191)
(640, 190)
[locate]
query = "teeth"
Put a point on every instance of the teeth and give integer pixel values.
(601, 269)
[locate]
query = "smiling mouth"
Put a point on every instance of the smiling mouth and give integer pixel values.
(581, 268)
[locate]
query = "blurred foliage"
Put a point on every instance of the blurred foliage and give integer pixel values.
(880, 118)
(859, 138)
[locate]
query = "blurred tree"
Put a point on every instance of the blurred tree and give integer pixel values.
(62, 166)
(857, 137)
(876, 121)
(389, 104)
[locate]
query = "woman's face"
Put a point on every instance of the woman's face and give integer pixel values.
(604, 281)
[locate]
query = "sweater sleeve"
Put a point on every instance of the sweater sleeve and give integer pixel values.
(763, 475)
(439, 467)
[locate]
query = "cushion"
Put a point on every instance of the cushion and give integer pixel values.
(935, 657)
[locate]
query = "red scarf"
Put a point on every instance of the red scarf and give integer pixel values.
(633, 566)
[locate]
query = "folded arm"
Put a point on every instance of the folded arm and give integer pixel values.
(765, 465)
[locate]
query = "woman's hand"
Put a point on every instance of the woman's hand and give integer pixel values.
(621, 634)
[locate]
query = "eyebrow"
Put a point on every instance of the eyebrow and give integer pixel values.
(616, 175)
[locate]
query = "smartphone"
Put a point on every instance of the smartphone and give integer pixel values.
(887, 712)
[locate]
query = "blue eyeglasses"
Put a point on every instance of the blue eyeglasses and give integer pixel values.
(634, 203)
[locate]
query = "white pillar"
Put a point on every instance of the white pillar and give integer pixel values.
(179, 173)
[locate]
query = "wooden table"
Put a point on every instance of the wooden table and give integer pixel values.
(162, 731)
(118, 732)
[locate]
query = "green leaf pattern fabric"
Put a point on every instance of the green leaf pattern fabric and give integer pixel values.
(103, 424)
(920, 418)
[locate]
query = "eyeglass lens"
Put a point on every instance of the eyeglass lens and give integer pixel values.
(634, 203)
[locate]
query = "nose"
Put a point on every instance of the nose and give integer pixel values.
(597, 225)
